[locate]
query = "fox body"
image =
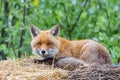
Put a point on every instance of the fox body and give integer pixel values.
(48, 44)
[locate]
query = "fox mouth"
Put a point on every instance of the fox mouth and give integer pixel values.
(50, 53)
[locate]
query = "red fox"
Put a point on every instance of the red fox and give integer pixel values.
(48, 44)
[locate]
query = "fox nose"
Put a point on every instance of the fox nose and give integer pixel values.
(43, 52)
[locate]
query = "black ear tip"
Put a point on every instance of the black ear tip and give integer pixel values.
(57, 25)
(31, 26)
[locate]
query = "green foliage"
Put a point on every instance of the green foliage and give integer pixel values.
(79, 19)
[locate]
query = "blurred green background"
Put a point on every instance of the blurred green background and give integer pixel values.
(79, 19)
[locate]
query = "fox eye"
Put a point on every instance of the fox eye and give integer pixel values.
(39, 43)
(49, 43)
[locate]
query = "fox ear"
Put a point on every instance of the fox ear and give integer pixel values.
(55, 30)
(34, 31)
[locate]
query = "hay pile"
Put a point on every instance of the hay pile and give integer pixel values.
(96, 72)
(26, 69)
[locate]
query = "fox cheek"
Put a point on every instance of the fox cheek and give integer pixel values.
(34, 51)
(53, 51)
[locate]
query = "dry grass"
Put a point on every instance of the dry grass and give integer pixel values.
(26, 69)
(96, 72)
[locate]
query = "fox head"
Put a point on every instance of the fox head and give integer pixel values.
(44, 42)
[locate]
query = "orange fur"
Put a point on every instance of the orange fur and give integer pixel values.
(87, 50)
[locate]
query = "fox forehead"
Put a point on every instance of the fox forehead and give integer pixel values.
(43, 37)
